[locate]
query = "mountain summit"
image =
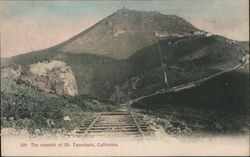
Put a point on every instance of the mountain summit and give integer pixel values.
(124, 32)
(149, 21)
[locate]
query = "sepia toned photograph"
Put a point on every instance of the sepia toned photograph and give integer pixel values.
(125, 78)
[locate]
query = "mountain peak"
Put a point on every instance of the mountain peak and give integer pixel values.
(124, 8)
(127, 10)
(149, 21)
(135, 28)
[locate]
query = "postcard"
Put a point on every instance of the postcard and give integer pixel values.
(125, 78)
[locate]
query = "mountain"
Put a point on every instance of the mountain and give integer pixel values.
(126, 31)
(125, 55)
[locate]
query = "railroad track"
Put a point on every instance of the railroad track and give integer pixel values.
(121, 123)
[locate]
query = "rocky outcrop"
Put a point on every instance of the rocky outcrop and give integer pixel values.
(53, 77)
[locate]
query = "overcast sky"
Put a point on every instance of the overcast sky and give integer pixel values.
(47, 23)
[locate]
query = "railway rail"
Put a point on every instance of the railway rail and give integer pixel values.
(121, 123)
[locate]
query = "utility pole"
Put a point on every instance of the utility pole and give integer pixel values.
(162, 63)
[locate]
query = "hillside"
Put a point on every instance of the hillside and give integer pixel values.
(220, 105)
(186, 59)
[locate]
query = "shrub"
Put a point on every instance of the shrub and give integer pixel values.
(21, 108)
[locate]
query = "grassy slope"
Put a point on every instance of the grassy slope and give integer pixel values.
(31, 109)
(220, 105)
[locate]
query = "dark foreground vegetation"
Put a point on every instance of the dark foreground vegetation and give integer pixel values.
(219, 106)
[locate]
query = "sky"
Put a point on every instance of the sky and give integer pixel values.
(35, 25)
